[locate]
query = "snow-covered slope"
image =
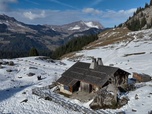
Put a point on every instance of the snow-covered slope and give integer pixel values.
(132, 56)
(16, 86)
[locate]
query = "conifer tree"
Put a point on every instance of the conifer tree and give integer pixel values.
(143, 22)
(33, 52)
(146, 5)
(150, 2)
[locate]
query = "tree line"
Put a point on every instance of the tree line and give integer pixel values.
(136, 24)
(73, 45)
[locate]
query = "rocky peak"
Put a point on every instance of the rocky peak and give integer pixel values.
(6, 18)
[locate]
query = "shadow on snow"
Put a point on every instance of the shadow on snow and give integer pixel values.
(7, 93)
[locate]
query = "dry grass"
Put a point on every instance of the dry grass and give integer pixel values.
(109, 37)
(68, 55)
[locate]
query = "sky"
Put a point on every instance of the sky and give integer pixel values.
(58, 12)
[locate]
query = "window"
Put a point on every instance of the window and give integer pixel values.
(66, 87)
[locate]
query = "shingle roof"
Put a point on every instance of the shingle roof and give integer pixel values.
(80, 71)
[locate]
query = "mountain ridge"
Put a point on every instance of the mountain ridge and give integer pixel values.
(43, 37)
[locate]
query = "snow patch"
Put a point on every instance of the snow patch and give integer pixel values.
(76, 27)
(91, 25)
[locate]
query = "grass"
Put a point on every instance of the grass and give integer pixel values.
(109, 37)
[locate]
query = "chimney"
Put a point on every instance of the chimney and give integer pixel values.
(93, 64)
(99, 62)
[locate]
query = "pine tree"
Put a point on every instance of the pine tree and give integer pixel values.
(146, 5)
(33, 52)
(141, 14)
(143, 22)
(150, 3)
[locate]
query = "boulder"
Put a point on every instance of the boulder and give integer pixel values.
(1, 61)
(122, 101)
(1, 67)
(31, 74)
(11, 63)
(105, 98)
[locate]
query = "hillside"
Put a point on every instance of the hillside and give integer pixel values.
(141, 19)
(132, 55)
(18, 37)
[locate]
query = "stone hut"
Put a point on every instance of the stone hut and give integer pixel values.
(91, 77)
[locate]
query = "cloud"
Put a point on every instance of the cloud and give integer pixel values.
(62, 4)
(96, 2)
(108, 18)
(35, 3)
(32, 16)
(91, 11)
(118, 14)
(4, 4)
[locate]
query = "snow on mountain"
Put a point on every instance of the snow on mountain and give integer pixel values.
(91, 25)
(76, 27)
(17, 86)
(82, 25)
(48, 36)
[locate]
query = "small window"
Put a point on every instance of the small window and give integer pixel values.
(66, 88)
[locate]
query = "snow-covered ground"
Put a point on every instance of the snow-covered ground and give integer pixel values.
(16, 86)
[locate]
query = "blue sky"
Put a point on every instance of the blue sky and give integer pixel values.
(58, 12)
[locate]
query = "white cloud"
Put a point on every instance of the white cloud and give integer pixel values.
(32, 16)
(91, 11)
(62, 4)
(118, 14)
(4, 4)
(130, 11)
(96, 2)
(108, 18)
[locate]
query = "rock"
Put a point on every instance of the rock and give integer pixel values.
(39, 78)
(123, 101)
(122, 112)
(24, 92)
(1, 61)
(33, 68)
(133, 110)
(24, 101)
(150, 112)
(136, 97)
(106, 98)
(1, 67)
(31, 74)
(111, 65)
(9, 70)
(48, 98)
(4, 63)
(11, 63)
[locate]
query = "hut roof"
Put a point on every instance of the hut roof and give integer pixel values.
(80, 71)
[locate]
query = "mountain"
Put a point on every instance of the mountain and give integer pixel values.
(18, 37)
(17, 85)
(78, 26)
(141, 19)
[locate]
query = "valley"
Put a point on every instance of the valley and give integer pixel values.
(17, 86)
